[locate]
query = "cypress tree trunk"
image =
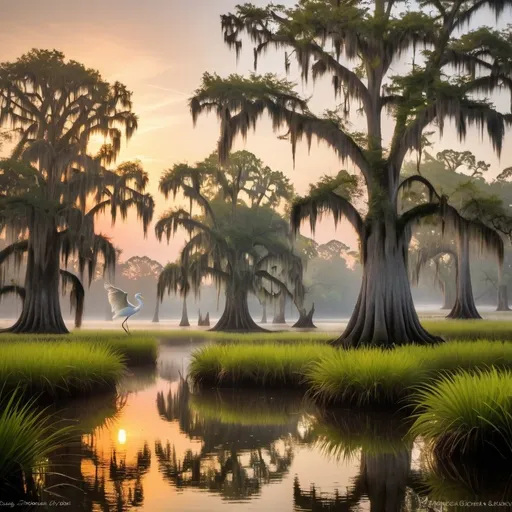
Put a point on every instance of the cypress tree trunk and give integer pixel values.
(464, 307)
(502, 298)
(279, 317)
(184, 314)
(41, 311)
(305, 320)
(236, 316)
(156, 316)
(264, 314)
(449, 294)
(384, 314)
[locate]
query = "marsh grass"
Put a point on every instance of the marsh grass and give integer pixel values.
(137, 349)
(500, 330)
(369, 376)
(375, 376)
(466, 412)
(244, 338)
(27, 436)
(59, 368)
(269, 364)
(364, 376)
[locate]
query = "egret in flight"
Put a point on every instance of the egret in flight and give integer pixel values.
(118, 300)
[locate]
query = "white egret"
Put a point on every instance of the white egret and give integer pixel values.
(118, 300)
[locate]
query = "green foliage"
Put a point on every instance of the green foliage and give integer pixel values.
(364, 376)
(374, 376)
(466, 412)
(59, 368)
(361, 377)
(495, 330)
(27, 436)
(72, 364)
(330, 195)
(232, 243)
(269, 364)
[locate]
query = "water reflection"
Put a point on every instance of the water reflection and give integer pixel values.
(159, 445)
(236, 457)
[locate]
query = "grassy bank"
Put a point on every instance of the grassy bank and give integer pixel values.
(59, 368)
(269, 364)
(374, 376)
(364, 376)
(138, 349)
(500, 330)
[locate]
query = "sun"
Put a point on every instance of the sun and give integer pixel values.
(121, 436)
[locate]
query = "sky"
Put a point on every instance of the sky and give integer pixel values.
(160, 49)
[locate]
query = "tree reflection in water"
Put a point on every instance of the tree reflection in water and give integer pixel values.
(380, 443)
(80, 475)
(246, 441)
(240, 452)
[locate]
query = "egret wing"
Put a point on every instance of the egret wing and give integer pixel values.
(117, 298)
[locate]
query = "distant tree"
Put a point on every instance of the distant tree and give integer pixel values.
(57, 106)
(482, 215)
(454, 160)
(237, 244)
(244, 176)
(175, 278)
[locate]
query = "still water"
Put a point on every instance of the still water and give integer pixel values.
(158, 445)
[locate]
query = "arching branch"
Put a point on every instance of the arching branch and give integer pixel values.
(313, 207)
(77, 294)
(16, 249)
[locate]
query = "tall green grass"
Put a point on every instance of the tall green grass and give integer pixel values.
(59, 369)
(27, 436)
(373, 376)
(138, 349)
(269, 364)
(466, 412)
(363, 376)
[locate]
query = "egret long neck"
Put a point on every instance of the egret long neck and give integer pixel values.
(139, 303)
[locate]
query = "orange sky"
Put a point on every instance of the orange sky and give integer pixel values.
(159, 49)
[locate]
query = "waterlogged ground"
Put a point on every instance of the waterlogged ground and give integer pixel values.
(160, 446)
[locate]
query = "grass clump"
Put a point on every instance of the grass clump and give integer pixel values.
(269, 364)
(466, 412)
(138, 349)
(27, 437)
(59, 369)
(364, 376)
(375, 376)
